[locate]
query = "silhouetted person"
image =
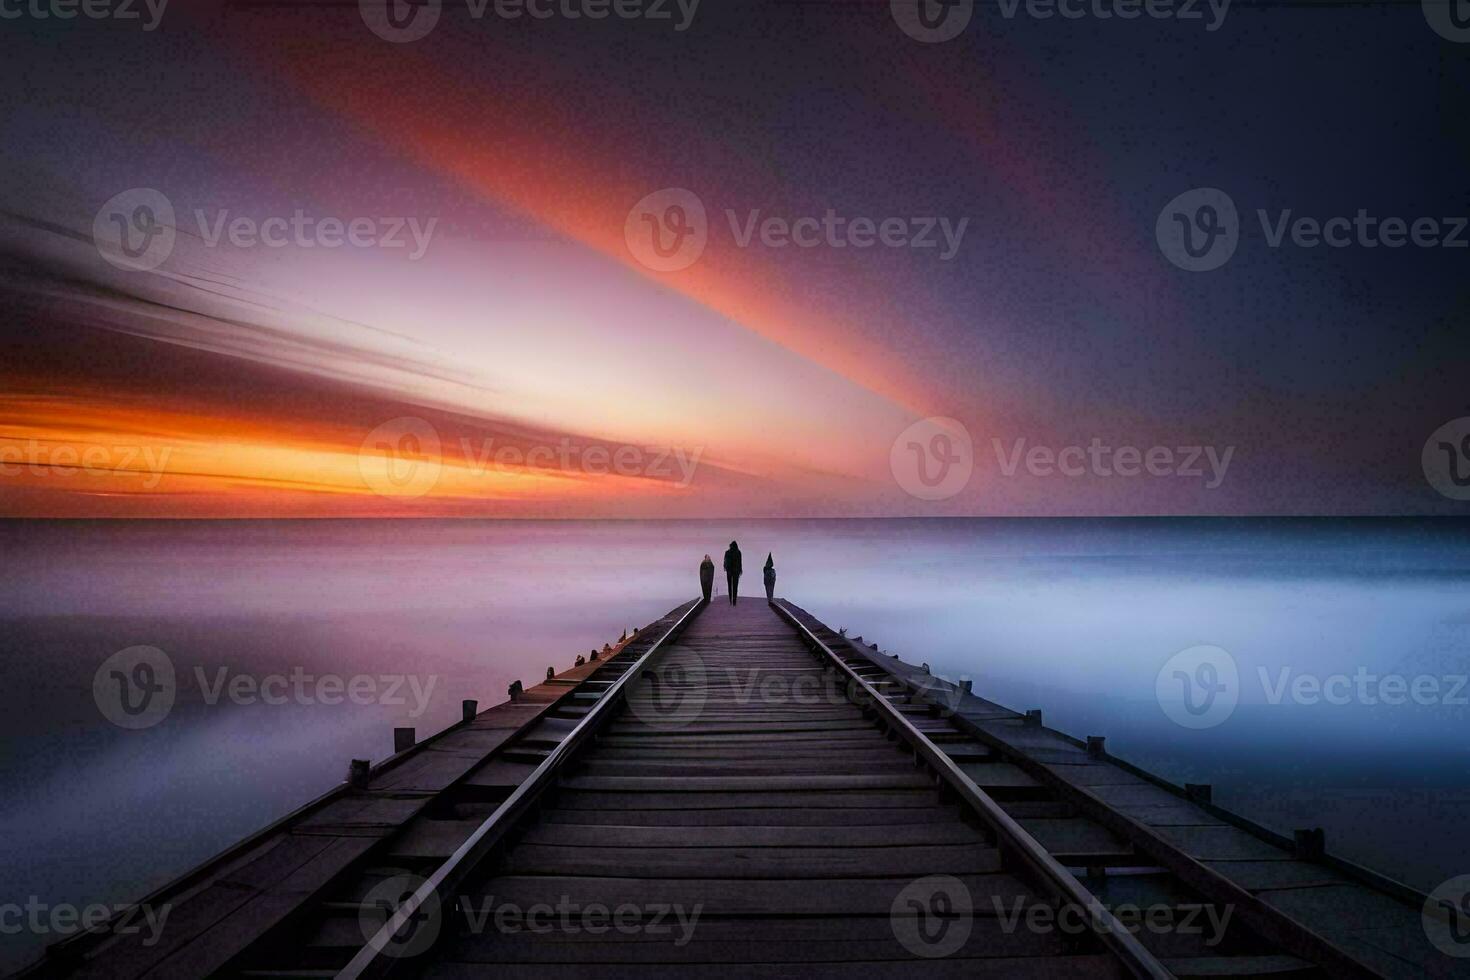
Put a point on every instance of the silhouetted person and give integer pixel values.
(707, 576)
(732, 571)
(770, 573)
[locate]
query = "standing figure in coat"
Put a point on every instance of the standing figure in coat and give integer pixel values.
(770, 573)
(732, 571)
(707, 576)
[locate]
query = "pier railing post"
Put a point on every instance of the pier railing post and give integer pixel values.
(1309, 844)
(404, 739)
(469, 709)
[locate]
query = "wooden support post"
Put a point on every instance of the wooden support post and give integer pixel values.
(1097, 747)
(468, 709)
(1198, 792)
(515, 690)
(1309, 844)
(1033, 718)
(550, 672)
(403, 739)
(357, 773)
(967, 685)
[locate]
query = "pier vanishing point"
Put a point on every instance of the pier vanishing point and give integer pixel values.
(741, 791)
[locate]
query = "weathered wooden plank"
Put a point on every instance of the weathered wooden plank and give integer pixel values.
(762, 835)
(765, 861)
(736, 896)
(756, 816)
(1256, 875)
(1241, 966)
(1074, 836)
(746, 942)
(988, 775)
(742, 727)
(432, 838)
(608, 765)
(841, 799)
(1092, 967)
(748, 784)
(1222, 844)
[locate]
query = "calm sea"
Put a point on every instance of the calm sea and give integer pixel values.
(1350, 640)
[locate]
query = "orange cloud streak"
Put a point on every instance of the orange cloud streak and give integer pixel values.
(522, 150)
(59, 446)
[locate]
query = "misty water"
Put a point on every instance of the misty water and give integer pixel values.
(1076, 617)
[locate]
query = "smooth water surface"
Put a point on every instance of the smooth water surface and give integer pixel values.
(1077, 617)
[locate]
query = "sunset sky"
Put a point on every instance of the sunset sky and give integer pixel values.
(237, 379)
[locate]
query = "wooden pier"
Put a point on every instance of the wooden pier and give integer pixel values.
(740, 791)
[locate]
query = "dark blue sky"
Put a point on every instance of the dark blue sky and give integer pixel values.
(1059, 140)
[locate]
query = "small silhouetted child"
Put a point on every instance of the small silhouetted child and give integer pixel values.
(770, 574)
(707, 576)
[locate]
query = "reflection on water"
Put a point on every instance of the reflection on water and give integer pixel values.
(269, 624)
